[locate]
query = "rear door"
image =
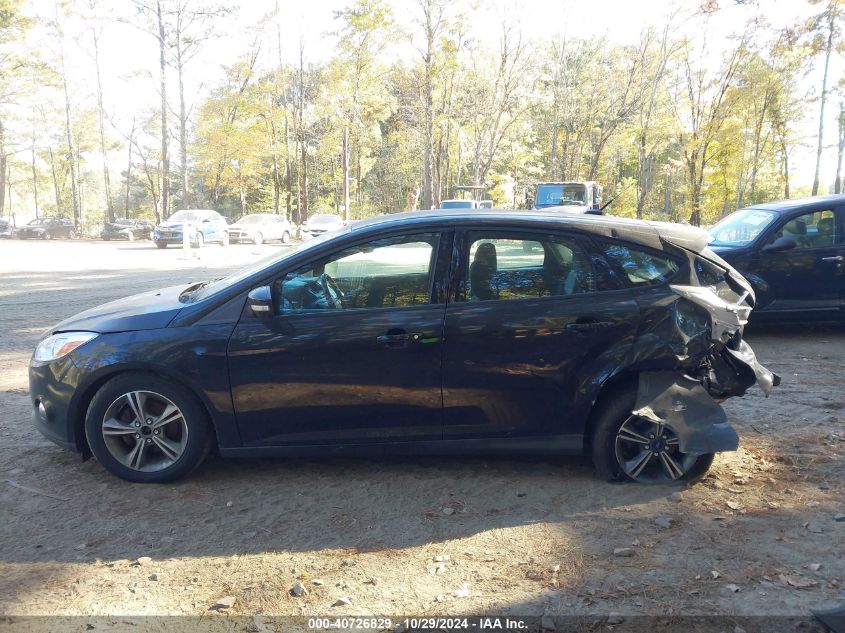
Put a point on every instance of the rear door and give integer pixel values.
(535, 317)
(811, 276)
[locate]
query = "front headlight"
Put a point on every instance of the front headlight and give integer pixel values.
(59, 345)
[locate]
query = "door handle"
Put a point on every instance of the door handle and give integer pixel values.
(398, 339)
(588, 325)
(837, 259)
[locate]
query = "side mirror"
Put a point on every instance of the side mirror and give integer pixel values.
(260, 302)
(783, 243)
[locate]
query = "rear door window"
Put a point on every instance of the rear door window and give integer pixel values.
(502, 265)
(640, 267)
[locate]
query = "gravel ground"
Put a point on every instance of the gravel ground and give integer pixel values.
(428, 536)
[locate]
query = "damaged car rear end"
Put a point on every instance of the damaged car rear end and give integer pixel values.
(689, 356)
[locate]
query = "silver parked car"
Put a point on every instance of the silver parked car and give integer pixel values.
(321, 223)
(261, 227)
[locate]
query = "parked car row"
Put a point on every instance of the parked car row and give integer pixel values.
(47, 229)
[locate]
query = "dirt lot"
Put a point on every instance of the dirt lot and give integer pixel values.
(426, 536)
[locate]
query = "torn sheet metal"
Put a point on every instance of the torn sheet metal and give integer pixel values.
(683, 405)
(745, 355)
(727, 318)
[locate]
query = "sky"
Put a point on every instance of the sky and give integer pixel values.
(129, 56)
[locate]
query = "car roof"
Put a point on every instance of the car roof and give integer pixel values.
(645, 232)
(809, 203)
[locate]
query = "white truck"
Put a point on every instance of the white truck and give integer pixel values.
(571, 196)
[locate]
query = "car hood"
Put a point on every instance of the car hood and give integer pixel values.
(145, 311)
(175, 225)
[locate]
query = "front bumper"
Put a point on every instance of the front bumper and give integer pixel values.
(240, 236)
(52, 387)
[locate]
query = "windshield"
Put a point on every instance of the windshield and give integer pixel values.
(741, 227)
(36, 222)
(217, 285)
(318, 220)
(251, 219)
(457, 204)
(185, 216)
(560, 194)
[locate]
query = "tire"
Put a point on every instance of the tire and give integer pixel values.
(189, 435)
(47, 236)
(286, 237)
(130, 236)
(71, 235)
(224, 241)
(259, 239)
(607, 447)
(161, 244)
(200, 240)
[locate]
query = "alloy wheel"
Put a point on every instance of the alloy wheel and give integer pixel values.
(145, 431)
(648, 452)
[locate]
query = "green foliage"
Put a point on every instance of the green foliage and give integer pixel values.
(668, 136)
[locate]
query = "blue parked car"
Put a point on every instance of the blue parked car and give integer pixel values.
(203, 226)
(792, 253)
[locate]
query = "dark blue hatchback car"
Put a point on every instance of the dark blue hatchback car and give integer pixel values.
(438, 331)
(792, 253)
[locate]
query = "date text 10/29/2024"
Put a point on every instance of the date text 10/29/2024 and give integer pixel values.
(417, 624)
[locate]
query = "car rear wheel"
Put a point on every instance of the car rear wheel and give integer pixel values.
(47, 236)
(148, 430)
(626, 447)
(285, 237)
(161, 244)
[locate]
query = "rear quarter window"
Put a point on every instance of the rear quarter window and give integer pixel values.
(640, 267)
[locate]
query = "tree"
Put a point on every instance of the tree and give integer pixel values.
(190, 27)
(700, 103)
(826, 28)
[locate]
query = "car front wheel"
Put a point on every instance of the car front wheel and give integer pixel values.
(259, 239)
(147, 430)
(627, 447)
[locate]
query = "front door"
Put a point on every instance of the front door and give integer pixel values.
(534, 317)
(811, 276)
(352, 353)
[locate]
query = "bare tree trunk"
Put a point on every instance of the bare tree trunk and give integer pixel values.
(129, 167)
(55, 183)
(3, 160)
(165, 158)
(303, 209)
(34, 178)
(345, 173)
(828, 49)
(183, 132)
(70, 154)
(837, 185)
(101, 116)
